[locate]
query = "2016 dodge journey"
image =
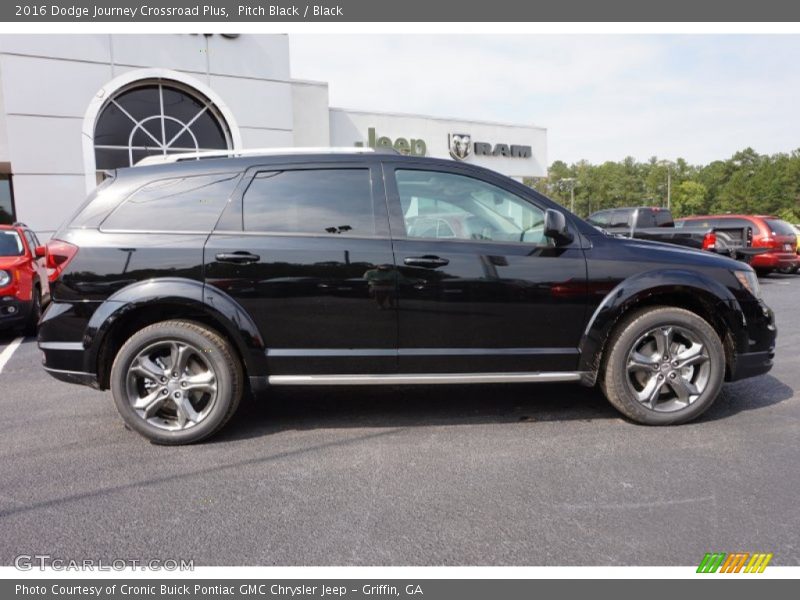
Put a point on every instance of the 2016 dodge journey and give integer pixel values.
(184, 285)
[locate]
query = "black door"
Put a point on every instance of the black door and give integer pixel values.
(480, 287)
(308, 256)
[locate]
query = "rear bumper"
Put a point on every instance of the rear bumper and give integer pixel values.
(61, 342)
(88, 379)
(775, 260)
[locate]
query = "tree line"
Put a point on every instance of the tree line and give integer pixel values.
(748, 182)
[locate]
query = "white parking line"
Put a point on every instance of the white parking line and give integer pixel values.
(6, 354)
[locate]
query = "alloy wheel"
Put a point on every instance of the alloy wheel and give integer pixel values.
(171, 385)
(668, 368)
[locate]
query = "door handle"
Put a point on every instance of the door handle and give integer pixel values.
(427, 261)
(240, 257)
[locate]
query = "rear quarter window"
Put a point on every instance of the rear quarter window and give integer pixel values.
(779, 227)
(179, 204)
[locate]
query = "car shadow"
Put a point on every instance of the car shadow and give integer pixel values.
(748, 394)
(309, 408)
(285, 409)
(7, 336)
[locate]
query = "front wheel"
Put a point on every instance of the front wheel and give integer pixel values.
(176, 382)
(665, 366)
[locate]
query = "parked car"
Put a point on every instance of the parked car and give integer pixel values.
(796, 230)
(184, 284)
(773, 236)
(24, 287)
(656, 224)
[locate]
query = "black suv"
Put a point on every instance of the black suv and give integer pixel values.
(183, 285)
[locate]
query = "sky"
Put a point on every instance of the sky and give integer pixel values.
(601, 97)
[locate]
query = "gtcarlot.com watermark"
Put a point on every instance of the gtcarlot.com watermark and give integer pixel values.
(42, 562)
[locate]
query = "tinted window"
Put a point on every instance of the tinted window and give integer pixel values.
(180, 204)
(622, 218)
(10, 244)
(448, 206)
(732, 223)
(779, 227)
(662, 218)
(316, 201)
(600, 219)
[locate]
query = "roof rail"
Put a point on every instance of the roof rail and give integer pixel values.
(158, 159)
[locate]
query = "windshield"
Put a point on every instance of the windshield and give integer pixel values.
(10, 244)
(779, 227)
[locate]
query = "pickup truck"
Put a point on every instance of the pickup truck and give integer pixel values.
(656, 224)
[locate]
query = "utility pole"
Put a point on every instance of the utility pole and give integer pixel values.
(572, 183)
(668, 164)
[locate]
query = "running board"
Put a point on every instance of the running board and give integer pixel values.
(425, 378)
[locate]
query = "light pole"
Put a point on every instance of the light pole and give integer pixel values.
(668, 164)
(572, 183)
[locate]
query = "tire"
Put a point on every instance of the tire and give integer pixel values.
(764, 272)
(171, 407)
(32, 324)
(683, 389)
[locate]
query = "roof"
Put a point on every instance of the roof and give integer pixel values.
(242, 162)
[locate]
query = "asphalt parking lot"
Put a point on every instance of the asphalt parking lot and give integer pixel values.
(500, 475)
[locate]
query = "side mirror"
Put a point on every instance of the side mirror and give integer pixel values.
(40, 251)
(555, 227)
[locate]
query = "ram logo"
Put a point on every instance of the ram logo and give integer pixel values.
(460, 145)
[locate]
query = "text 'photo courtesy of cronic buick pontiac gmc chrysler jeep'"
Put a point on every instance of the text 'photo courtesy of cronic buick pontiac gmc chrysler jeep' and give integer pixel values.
(185, 285)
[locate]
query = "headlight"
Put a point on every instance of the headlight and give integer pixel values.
(749, 281)
(5, 278)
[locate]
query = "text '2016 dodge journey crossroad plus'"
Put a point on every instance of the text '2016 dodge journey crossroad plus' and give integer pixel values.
(180, 286)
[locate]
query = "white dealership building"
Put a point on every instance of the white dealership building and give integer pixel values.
(75, 106)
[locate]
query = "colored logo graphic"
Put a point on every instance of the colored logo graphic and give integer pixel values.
(736, 562)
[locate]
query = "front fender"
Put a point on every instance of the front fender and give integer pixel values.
(694, 287)
(191, 295)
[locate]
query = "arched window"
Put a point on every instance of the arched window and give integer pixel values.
(156, 117)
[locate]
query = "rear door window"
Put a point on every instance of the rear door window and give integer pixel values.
(335, 201)
(180, 204)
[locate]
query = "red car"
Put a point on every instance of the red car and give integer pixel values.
(763, 232)
(24, 286)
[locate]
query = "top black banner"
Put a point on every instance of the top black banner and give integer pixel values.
(403, 11)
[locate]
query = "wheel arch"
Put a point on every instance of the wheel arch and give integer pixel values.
(148, 302)
(691, 291)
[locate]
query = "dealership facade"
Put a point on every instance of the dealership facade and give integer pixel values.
(73, 107)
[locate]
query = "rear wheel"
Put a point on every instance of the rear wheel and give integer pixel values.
(176, 382)
(665, 366)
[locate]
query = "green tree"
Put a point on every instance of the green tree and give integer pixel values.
(689, 198)
(747, 182)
